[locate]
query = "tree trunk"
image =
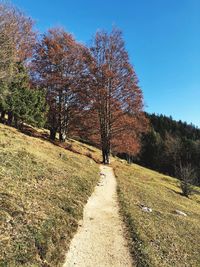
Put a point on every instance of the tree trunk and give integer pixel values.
(107, 157)
(62, 137)
(10, 117)
(60, 116)
(105, 154)
(3, 113)
(53, 133)
(16, 121)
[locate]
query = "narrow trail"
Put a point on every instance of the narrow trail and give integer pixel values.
(100, 240)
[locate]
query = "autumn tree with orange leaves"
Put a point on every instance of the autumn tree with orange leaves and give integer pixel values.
(60, 67)
(114, 116)
(92, 93)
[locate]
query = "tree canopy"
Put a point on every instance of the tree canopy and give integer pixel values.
(91, 92)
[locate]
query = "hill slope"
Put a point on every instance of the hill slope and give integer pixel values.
(169, 143)
(43, 189)
(161, 237)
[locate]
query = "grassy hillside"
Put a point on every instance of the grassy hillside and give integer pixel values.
(43, 189)
(161, 238)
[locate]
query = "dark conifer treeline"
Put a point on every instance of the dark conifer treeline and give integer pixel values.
(170, 144)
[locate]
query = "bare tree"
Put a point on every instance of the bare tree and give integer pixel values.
(186, 175)
(16, 38)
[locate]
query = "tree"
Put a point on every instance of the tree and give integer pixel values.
(59, 67)
(3, 94)
(172, 153)
(17, 39)
(23, 104)
(168, 143)
(6, 56)
(115, 100)
(152, 148)
(187, 175)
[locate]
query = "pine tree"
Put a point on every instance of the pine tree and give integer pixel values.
(23, 104)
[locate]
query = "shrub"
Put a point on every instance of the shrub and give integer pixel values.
(187, 175)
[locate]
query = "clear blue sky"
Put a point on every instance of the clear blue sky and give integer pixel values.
(162, 37)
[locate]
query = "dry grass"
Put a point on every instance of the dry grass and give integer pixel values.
(43, 189)
(83, 149)
(160, 238)
(73, 145)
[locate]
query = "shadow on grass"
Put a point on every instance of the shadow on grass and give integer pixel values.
(31, 131)
(194, 192)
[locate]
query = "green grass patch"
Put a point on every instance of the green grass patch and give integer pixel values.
(43, 189)
(161, 238)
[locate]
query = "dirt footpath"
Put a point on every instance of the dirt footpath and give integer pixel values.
(99, 241)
